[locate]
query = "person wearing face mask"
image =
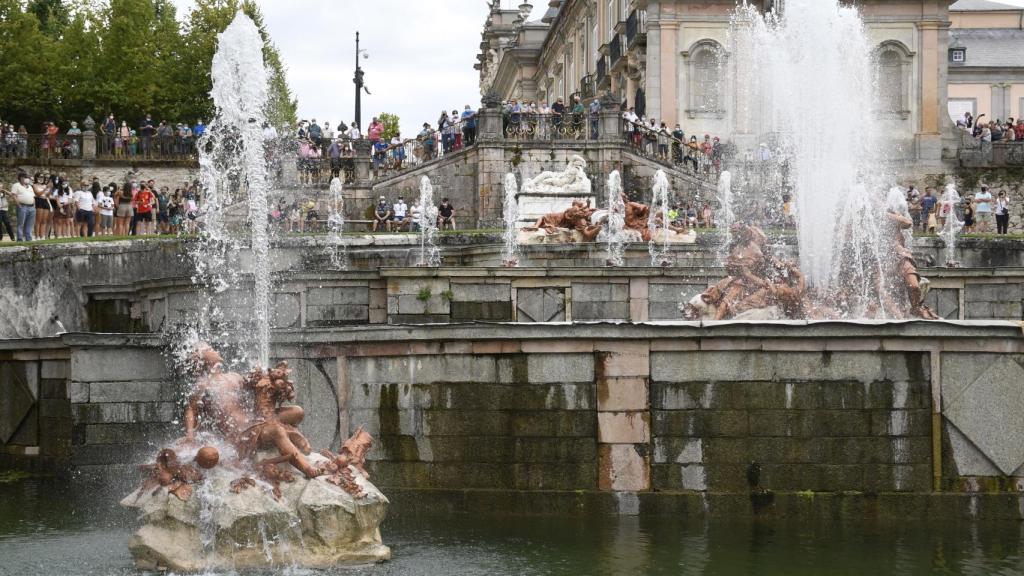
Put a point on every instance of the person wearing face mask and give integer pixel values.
(24, 195)
(42, 187)
(124, 133)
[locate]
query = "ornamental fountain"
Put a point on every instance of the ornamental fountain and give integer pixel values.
(243, 487)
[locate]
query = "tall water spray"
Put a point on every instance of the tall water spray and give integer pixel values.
(658, 221)
(233, 169)
(429, 253)
(616, 223)
(807, 79)
(336, 248)
(510, 212)
(726, 216)
(952, 225)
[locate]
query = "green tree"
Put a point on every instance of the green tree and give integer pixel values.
(128, 70)
(391, 125)
(27, 63)
(62, 60)
(53, 16)
(76, 71)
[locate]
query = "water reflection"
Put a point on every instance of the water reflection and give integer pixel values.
(49, 527)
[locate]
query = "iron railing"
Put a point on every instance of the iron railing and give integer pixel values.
(602, 69)
(636, 26)
(615, 50)
(318, 164)
(689, 156)
(537, 126)
(23, 146)
(135, 147)
(587, 89)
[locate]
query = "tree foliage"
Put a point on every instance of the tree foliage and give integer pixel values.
(391, 125)
(63, 60)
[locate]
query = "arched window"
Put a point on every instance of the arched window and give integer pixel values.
(893, 91)
(706, 93)
(890, 82)
(705, 82)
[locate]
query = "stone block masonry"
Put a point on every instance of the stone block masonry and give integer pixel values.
(724, 410)
(827, 421)
(637, 412)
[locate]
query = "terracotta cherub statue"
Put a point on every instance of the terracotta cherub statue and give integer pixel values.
(220, 403)
(353, 453)
(172, 474)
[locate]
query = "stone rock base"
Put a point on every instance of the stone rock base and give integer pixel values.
(315, 524)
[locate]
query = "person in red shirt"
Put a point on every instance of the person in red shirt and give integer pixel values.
(144, 201)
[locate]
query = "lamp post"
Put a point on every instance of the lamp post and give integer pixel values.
(358, 80)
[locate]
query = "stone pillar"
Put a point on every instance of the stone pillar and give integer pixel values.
(654, 72)
(929, 135)
(609, 120)
(669, 78)
(362, 149)
(488, 126)
(89, 145)
(623, 417)
(89, 139)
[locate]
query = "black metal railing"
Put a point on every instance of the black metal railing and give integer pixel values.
(632, 27)
(587, 86)
(135, 147)
(23, 146)
(697, 158)
(615, 50)
(317, 164)
(538, 126)
(602, 69)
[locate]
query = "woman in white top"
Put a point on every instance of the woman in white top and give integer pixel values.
(85, 213)
(63, 211)
(106, 204)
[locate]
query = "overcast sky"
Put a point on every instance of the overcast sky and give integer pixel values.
(421, 55)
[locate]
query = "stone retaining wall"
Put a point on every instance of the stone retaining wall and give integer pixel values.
(401, 296)
(626, 409)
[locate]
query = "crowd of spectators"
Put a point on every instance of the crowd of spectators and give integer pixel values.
(540, 121)
(50, 205)
(150, 139)
(316, 143)
(655, 139)
(992, 131)
(979, 213)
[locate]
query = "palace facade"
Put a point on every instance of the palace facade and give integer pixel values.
(662, 56)
(986, 60)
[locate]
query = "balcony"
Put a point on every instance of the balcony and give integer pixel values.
(636, 27)
(615, 50)
(587, 87)
(602, 70)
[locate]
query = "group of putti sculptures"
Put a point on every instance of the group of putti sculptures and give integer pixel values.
(248, 413)
(582, 222)
(762, 287)
(588, 221)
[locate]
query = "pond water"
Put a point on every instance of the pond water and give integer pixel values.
(50, 527)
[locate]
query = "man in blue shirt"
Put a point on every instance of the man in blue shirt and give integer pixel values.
(199, 130)
(927, 210)
(468, 126)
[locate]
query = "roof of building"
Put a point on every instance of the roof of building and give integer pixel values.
(990, 47)
(981, 6)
